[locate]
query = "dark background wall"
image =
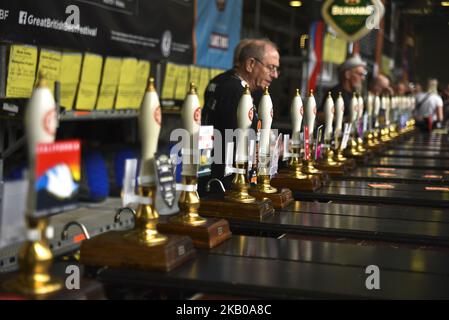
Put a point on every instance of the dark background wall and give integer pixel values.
(432, 52)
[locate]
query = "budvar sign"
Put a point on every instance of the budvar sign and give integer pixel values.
(353, 19)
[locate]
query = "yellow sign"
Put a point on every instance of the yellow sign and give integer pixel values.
(90, 80)
(168, 88)
(181, 82)
(194, 75)
(141, 81)
(204, 81)
(70, 73)
(334, 49)
(215, 72)
(21, 71)
(126, 84)
(109, 83)
(50, 65)
(387, 65)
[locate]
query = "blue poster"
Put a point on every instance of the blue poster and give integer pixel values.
(217, 31)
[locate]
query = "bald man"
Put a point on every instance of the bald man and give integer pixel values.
(379, 85)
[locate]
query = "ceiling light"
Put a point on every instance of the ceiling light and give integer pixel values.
(297, 3)
(443, 3)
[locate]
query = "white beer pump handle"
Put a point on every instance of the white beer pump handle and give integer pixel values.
(296, 114)
(149, 128)
(361, 107)
(266, 117)
(328, 118)
(245, 114)
(339, 111)
(376, 111)
(310, 114)
(191, 121)
(40, 127)
(354, 108)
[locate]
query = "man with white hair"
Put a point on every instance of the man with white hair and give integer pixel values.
(351, 75)
(429, 107)
(256, 64)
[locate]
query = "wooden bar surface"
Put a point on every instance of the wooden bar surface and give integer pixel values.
(399, 175)
(437, 154)
(379, 223)
(409, 163)
(356, 191)
(281, 279)
(386, 258)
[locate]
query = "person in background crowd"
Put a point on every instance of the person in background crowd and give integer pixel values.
(429, 107)
(351, 75)
(401, 88)
(417, 89)
(445, 96)
(379, 85)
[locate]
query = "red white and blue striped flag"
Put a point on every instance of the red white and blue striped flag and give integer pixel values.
(315, 53)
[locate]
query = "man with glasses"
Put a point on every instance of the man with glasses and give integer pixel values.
(351, 75)
(256, 64)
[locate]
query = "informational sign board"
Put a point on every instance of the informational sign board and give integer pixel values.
(150, 30)
(353, 19)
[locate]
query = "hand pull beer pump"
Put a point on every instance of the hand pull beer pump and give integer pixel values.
(35, 256)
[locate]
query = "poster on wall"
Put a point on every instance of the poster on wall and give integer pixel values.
(151, 30)
(58, 175)
(217, 32)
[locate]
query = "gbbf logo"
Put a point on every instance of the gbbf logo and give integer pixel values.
(4, 14)
(23, 17)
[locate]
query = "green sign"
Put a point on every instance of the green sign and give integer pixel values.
(353, 19)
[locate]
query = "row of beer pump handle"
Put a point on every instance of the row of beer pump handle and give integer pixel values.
(41, 119)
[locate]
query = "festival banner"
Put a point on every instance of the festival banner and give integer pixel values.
(217, 31)
(150, 30)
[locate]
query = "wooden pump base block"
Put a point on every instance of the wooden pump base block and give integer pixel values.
(333, 170)
(288, 180)
(376, 149)
(350, 164)
(208, 235)
(126, 249)
(324, 177)
(280, 199)
(361, 159)
(222, 208)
